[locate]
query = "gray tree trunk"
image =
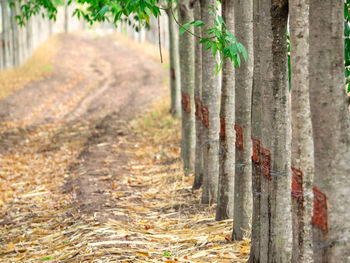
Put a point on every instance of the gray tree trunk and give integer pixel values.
(302, 140)
(187, 88)
(242, 213)
(15, 36)
(331, 130)
(6, 38)
(210, 112)
(198, 169)
(66, 17)
(175, 79)
(256, 137)
(224, 207)
(276, 222)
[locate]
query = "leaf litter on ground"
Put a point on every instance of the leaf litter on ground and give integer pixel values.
(163, 220)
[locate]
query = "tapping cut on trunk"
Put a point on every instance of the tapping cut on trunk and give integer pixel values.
(320, 216)
(205, 116)
(186, 102)
(266, 163)
(239, 137)
(256, 151)
(222, 128)
(198, 104)
(297, 184)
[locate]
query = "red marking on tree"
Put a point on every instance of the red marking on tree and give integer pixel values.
(186, 102)
(205, 116)
(297, 184)
(239, 137)
(173, 74)
(222, 128)
(320, 216)
(266, 162)
(256, 151)
(198, 104)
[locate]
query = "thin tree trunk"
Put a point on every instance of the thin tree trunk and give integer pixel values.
(210, 112)
(198, 170)
(244, 80)
(256, 137)
(175, 80)
(15, 36)
(187, 89)
(224, 207)
(302, 141)
(331, 130)
(6, 34)
(66, 17)
(276, 222)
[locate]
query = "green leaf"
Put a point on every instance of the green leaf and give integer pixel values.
(184, 28)
(46, 258)
(214, 49)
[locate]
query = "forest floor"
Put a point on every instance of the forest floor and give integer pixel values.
(90, 168)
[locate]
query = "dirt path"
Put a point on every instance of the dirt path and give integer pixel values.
(83, 180)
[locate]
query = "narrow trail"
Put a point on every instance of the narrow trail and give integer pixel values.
(84, 179)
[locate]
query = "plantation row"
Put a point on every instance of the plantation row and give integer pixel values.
(275, 158)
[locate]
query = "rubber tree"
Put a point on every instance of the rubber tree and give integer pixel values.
(331, 131)
(302, 141)
(244, 81)
(224, 207)
(175, 79)
(210, 113)
(198, 171)
(275, 208)
(256, 136)
(187, 87)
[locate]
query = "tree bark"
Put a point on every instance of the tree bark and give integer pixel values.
(198, 170)
(210, 111)
(256, 137)
(187, 88)
(276, 223)
(331, 130)
(244, 80)
(175, 79)
(224, 207)
(6, 38)
(302, 140)
(15, 36)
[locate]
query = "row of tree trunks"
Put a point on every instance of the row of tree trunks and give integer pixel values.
(19, 42)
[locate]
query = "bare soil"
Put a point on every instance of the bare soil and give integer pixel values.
(97, 83)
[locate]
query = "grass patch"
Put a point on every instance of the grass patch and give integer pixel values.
(36, 67)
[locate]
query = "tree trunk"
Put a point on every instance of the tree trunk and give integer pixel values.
(66, 17)
(15, 36)
(210, 112)
(198, 169)
(175, 80)
(256, 137)
(244, 80)
(187, 89)
(331, 130)
(224, 207)
(276, 222)
(6, 38)
(302, 141)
